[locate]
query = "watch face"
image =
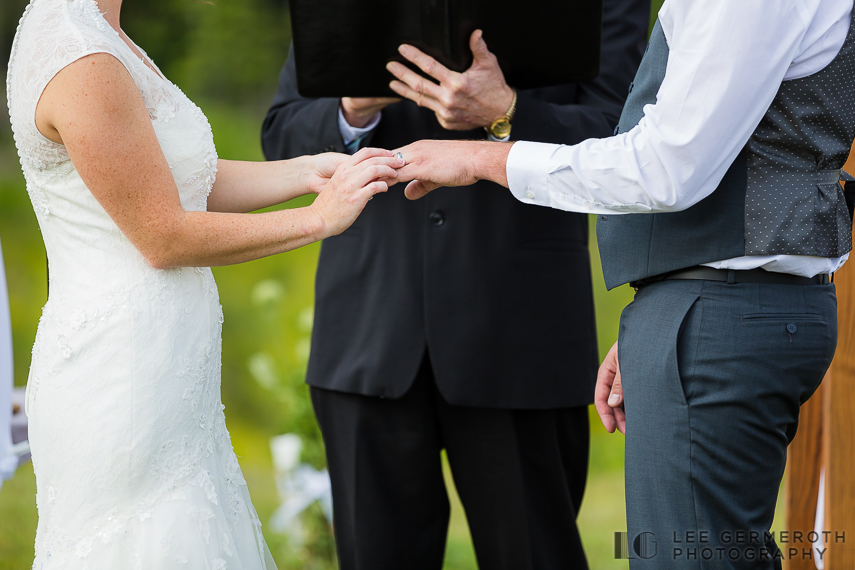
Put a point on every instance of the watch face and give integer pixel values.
(501, 129)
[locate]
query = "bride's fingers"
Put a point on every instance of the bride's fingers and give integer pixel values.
(389, 181)
(372, 173)
(389, 161)
(376, 187)
(366, 153)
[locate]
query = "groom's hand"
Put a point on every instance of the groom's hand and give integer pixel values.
(608, 395)
(461, 101)
(431, 164)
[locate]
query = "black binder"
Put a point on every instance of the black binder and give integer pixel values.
(341, 47)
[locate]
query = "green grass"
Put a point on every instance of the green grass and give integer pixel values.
(267, 306)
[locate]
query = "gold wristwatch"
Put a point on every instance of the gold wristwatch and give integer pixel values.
(500, 129)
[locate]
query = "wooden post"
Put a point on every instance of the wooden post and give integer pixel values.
(826, 441)
(838, 431)
(801, 485)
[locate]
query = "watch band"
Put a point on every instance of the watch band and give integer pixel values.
(491, 138)
(500, 129)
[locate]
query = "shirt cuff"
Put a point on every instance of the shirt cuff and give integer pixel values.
(528, 170)
(350, 133)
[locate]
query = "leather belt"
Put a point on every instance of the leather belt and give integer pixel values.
(735, 276)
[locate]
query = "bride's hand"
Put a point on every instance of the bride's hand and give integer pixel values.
(323, 167)
(356, 180)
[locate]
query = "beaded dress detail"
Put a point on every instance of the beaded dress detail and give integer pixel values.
(133, 462)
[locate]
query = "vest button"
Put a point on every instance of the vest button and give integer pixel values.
(631, 86)
(791, 328)
(617, 130)
(437, 219)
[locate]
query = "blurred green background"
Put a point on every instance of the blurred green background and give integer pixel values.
(227, 56)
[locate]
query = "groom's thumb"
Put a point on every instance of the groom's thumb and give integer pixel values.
(418, 189)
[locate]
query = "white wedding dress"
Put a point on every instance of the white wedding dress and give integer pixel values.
(134, 466)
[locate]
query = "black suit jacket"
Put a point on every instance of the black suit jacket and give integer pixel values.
(499, 292)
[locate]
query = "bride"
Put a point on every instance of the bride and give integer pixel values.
(134, 466)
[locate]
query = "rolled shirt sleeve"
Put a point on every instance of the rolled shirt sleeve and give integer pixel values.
(726, 61)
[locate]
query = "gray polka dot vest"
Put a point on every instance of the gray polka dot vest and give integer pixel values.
(781, 195)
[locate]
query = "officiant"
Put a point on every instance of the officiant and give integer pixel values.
(464, 322)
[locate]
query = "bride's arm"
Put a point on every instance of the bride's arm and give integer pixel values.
(94, 108)
(247, 186)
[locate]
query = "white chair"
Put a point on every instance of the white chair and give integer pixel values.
(11, 455)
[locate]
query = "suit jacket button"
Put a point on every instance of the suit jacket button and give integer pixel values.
(437, 218)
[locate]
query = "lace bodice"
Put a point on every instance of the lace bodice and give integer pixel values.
(134, 465)
(56, 33)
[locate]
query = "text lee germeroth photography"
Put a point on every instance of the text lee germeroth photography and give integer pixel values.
(728, 545)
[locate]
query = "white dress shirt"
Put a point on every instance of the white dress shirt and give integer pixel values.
(727, 59)
(349, 133)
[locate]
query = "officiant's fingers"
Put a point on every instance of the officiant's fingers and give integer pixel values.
(479, 46)
(426, 63)
(415, 81)
(420, 99)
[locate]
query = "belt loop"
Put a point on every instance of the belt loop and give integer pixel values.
(731, 277)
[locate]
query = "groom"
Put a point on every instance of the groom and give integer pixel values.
(463, 323)
(719, 200)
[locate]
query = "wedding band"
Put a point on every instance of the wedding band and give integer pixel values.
(400, 157)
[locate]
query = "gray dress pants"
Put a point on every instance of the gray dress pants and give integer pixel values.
(714, 375)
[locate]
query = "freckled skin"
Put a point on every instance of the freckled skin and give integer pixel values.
(94, 108)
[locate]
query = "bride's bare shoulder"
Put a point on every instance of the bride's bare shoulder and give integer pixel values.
(95, 87)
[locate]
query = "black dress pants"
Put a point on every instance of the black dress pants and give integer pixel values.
(520, 475)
